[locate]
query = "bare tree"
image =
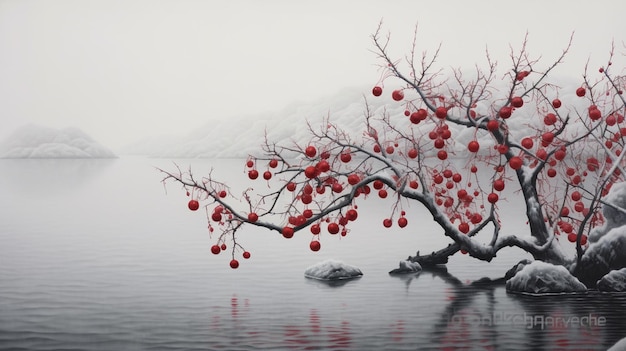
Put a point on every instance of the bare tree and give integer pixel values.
(563, 158)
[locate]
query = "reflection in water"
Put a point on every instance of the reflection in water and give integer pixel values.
(50, 176)
(94, 256)
(475, 318)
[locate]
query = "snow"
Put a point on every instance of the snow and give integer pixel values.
(603, 256)
(332, 270)
(241, 136)
(406, 266)
(614, 217)
(33, 141)
(542, 278)
(614, 281)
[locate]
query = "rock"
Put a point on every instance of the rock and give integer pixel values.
(614, 281)
(518, 267)
(603, 256)
(543, 278)
(406, 267)
(332, 270)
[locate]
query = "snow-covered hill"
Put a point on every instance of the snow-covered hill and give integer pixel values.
(34, 141)
(241, 136)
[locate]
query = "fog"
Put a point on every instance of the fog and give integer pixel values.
(122, 71)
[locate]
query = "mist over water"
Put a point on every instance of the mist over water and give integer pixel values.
(98, 255)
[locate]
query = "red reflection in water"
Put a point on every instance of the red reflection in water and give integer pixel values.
(314, 334)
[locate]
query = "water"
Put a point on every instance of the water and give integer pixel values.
(95, 255)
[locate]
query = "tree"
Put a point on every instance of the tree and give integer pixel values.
(563, 149)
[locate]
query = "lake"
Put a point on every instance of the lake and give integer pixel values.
(99, 255)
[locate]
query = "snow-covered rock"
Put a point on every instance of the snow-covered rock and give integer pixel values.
(34, 141)
(603, 256)
(518, 267)
(407, 267)
(613, 215)
(332, 270)
(542, 278)
(614, 281)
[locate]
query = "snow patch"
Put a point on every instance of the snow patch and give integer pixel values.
(544, 278)
(614, 281)
(603, 256)
(613, 215)
(332, 270)
(34, 141)
(406, 267)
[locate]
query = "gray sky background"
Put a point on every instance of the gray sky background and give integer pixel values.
(125, 69)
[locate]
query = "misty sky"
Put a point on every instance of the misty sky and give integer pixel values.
(125, 69)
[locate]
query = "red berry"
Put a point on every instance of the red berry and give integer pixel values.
(223, 247)
(352, 214)
(246, 255)
(215, 249)
(521, 75)
(441, 112)
(377, 91)
(315, 245)
(549, 119)
(412, 153)
(517, 101)
(310, 151)
(287, 232)
(572, 237)
(250, 163)
(464, 227)
(493, 198)
(387, 222)
(315, 229)
(547, 137)
(337, 187)
(382, 193)
(389, 149)
(527, 143)
(253, 217)
(498, 184)
(442, 155)
(397, 95)
(273, 163)
(291, 186)
(515, 162)
(333, 228)
(353, 179)
(345, 157)
(234, 264)
(493, 125)
(505, 112)
(581, 92)
(193, 205)
(595, 114)
(267, 175)
(310, 172)
(556, 103)
(402, 222)
(473, 146)
(253, 174)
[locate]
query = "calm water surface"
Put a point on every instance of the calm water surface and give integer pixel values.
(95, 255)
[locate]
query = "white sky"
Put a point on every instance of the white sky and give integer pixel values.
(122, 70)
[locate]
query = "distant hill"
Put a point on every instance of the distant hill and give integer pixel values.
(34, 141)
